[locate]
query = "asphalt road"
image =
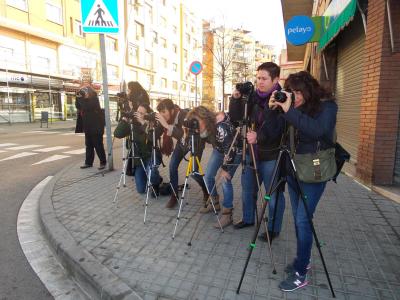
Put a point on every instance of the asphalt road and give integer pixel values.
(18, 176)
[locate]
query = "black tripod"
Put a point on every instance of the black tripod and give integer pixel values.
(153, 166)
(278, 178)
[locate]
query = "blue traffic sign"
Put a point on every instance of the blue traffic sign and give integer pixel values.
(99, 16)
(196, 67)
(299, 30)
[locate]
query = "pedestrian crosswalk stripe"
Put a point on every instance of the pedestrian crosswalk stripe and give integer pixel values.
(7, 144)
(73, 133)
(41, 132)
(79, 151)
(49, 149)
(50, 159)
(24, 147)
(19, 155)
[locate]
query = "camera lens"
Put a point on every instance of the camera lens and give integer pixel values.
(280, 97)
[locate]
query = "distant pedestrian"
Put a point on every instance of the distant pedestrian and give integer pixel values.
(88, 106)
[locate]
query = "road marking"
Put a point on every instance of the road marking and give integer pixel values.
(42, 132)
(7, 145)
(50, 159)
(79, 151)
(49, 149)
(24, 147)
(19, 155)
(2, 151)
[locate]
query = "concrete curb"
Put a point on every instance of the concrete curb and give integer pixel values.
(98, 281)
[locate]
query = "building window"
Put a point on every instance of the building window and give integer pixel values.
(175, 85)
(174, 67)
(155, 37)
(164, 2)
(196, 45)
(150, 15)
(185, 55)
(150, 79)
(175, 29)
(183, 87)
(164, 83)
(20, 4)
(164, 62)
(163, 42)
(192, 89)
(139, 30)
(175, 48)
(111, 45)
(54, 12)
(133, 54)
(112, 72)
(163, 22)
(187, 38)
(149, 60)
(136, 6)
(78, 28)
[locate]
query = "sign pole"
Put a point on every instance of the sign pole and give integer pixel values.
(195, 97)
(106, 102)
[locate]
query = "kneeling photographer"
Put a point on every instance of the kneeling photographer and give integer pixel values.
(143, 143)
(312, 113)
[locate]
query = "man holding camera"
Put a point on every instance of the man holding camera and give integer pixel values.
(172, 118)
(266, 129)
(88, 106)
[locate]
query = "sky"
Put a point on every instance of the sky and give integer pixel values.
(262, 17)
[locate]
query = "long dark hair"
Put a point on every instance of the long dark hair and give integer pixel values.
(312, 91)
(137, 93)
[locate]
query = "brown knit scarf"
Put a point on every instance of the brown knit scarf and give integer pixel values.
(167, 142)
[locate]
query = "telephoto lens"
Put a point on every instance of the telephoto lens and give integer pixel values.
(191, 124)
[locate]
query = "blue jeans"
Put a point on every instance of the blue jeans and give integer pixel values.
(250, 193)
(215, 162)
(227, 187)
(177, 156)
(313, 192)
(141, 178)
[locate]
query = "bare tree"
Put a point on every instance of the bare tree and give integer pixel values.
(223, 51)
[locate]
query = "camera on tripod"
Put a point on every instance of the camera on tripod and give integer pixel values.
(82, 92)
(245, 88)
(192, 124)
(122, 95)
(151, 117)
(281, 97)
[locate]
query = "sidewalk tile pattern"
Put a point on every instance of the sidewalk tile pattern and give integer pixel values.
(359, 229)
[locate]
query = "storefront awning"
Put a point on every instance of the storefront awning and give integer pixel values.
(337, 22)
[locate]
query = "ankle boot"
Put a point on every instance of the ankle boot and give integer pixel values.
(208, 206)
(225, 218)
(172, 202)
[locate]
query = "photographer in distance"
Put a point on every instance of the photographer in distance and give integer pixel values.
(312, 113)
(88, 105)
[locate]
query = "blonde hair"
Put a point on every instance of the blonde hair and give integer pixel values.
(203, 113)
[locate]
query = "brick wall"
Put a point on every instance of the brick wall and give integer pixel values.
(380, 101)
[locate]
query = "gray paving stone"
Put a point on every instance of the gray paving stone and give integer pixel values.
(359, 229)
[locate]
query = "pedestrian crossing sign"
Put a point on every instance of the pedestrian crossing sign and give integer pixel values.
(100, 16)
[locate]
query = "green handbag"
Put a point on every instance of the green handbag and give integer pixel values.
(316, 167)
(122, 130)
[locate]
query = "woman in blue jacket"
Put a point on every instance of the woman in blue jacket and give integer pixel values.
(313, 116)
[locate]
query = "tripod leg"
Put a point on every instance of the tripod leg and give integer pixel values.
(147, 196)
(253, 157)
(123, 155)
(255, 234)
(124, 166)
(183, 194)
(211, 199)
(199, 219)
(148, 177)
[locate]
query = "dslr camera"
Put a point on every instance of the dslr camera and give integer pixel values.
(192, 124)
(81, 93)
(122, 95)
(151, 117)
(281, 97)
(245, 88)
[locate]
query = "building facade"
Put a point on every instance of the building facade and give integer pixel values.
(358, 58)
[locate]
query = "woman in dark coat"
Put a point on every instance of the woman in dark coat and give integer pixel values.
(88, 106)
